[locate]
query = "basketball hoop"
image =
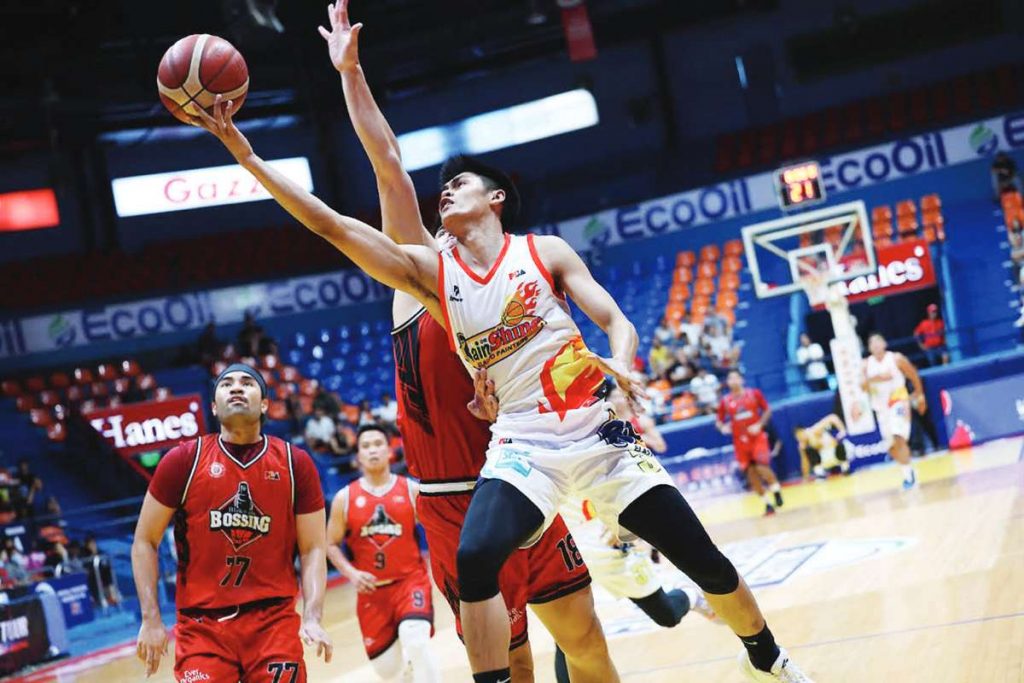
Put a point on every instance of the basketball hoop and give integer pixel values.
(815, 285)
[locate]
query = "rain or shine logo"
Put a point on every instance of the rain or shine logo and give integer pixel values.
(518, 326)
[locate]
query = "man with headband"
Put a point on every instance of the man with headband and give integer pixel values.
(242, 503)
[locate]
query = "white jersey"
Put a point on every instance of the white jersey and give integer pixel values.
(516, 324)
(886, 392)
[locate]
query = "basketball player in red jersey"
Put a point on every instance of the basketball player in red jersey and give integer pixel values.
(376, 518)
(748, 413)
(444, 444)
(243, 503)
(549, 391)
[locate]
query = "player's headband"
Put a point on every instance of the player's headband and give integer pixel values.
(247, 369)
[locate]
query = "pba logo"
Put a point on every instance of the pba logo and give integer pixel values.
(240, 519)
(983, 140)
(61, 331)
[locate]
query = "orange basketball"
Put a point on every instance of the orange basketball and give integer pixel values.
(195, 70)
(514, 313)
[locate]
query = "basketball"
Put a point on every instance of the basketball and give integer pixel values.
(514, 313)
(195, 70)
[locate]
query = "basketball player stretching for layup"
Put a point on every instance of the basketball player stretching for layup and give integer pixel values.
(504, 301)
(885, 375)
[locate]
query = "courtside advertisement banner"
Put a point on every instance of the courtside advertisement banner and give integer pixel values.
(150, 426)
(984, 411)
(902, 267)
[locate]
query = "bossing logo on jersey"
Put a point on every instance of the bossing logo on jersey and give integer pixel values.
(240, 519)
(381, 529)
(518, 325)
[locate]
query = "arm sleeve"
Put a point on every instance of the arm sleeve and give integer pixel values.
(172, 474)
(309, 497)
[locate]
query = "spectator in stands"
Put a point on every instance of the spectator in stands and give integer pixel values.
(663, 332)
(321, 432)
(102, 582)
(1017, 254)
(7, 512)
(28, 482)
(208, 347)
(326, 401)
(387, 412)
(13, 563)
(705, 387)
(659, 359)
(1004, 175)
(134, 394)
(691, 329)
(250, 337)
(930, 334)
(688, 345)
(720, 349)
(366, 414)
(683, 370)
(811, 359)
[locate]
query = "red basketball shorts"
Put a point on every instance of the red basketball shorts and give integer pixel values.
(261, 646)
(540, 573)
(381, 611)
(755, 449)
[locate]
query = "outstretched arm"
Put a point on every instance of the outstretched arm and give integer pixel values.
(399, 208)
(412, 269)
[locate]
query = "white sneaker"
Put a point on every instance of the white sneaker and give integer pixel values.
(782, 670)
(699, 604)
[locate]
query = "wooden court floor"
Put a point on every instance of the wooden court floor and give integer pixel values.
(860, 580)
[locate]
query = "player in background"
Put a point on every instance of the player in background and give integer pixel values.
(444, 444)
(745, 414)
(579, 447)
(243, 503)
(885, 378)
(624, 569)
(822, 446)
(375, 516)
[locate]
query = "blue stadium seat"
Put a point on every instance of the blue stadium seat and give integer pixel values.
(333, 382)
(364, 329)
(294, 356)
(338, 364)
(317, 352)
(344, 348)
(313, 369)
(299, 340)
(382, 327)
(363, 360)
(324, 335)
(367, 344)
(360, 379)
(344, 332)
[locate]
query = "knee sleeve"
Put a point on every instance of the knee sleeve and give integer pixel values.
(414, 635)
(663, 518)
(498, 521)
(388, 665)
(664, 609)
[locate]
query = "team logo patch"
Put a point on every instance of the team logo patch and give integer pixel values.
(216, 470)
(273, 476)
(518, 326)
(193, 676)
(381, 529)
(240, 519)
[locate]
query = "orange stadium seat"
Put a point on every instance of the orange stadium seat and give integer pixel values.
(121, 385)
(881, 229)
(74, 393)
(907, 207)
(269, 362)
(684, 407)
(935, 231)
(709, 252)
(147, 382)
(707, 269)
(728, 282)
(882, 242)
(308, 387)
(114, 402)
(881, 213)
(284, 390)
(930, 202)
(726, 299)
(161, 394)
(217, 368)
(99, 390)
(49, 398)
(11, 388)
(700, 308)
(56, 432)
(35, 384)
(733, 248)
(88, 405)
(682, 274)
(277, 410)
(268, 377)
(59, 380)
(679, 294)
(40, 417)
(704, 287)
(288, 373)
(675, 312)
(130, 368)
(727, 313)
(25, 403)
(306, 403)
(907, 226)
(685, 259)
(732, 264)
(107, 372)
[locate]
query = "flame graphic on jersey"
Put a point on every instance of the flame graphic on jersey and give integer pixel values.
(518, 326)
(570, 379)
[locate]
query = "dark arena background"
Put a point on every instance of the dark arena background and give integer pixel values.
(706, 159)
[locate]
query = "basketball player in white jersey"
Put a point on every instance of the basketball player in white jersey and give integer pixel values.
(885, 377)
(822, 446)
(503, 300)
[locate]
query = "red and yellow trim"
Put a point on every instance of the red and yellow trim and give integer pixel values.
(442, 299)
(494, 268)
(541, 267)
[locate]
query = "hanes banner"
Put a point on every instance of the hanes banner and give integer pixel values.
(150, 426)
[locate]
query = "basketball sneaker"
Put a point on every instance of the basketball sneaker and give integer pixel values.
(778, 499)
(844, 467)
(782, 670)
(910, 481)
(819, 473)
(768, 510)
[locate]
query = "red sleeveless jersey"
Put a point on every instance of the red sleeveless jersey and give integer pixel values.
(742, 411)
(380, 530)
(442, 440)
(235, 527)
